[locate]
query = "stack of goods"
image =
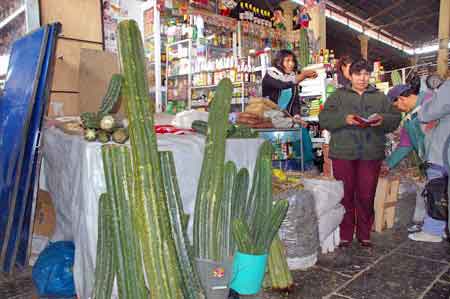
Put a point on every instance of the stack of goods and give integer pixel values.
(102, 125)
(299, 231)
(314, 107)
(254, 121)
(328, 194)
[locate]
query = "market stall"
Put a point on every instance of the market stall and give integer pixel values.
(123, 182)
(73, 174)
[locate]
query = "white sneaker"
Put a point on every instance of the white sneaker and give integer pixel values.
(425, 237)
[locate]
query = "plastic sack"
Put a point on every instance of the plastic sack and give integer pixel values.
(330, 221)
(52, 274)
(184, 119)
(327, 193)
(299, 230)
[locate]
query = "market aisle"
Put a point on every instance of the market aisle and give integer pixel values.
(395, 268)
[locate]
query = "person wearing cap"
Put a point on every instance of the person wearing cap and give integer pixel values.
(357, 148)
(416, 135)
(407, 98)
(436, 111)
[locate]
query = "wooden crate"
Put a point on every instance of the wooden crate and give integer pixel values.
(385, 200)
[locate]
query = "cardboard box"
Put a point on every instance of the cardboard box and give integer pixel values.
(96, 69)
(45, 216)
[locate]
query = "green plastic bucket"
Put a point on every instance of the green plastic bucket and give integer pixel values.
(248, 273)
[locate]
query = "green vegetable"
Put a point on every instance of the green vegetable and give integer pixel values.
(90, 134)
(233, 131)
(210, 186)
(149, 203)
(200, 126)
(103, 136)
(105, 267)
(120, 135)
(119, 184)
(279, 274)
(188, 269)
(90, 120)
(110, 101)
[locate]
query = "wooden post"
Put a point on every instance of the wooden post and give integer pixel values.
(318, 25)
(364, 39)
(444, 28)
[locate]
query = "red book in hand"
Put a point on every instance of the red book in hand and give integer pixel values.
(374, 118)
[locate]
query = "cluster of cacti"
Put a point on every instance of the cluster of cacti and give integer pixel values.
(153, 225)
(303, 51)
(108, 129)
(110, 102)
(101, 125)
(147, 238)
(254, 233)
(125, 246)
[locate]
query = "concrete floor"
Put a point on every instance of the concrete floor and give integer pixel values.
(395, 268)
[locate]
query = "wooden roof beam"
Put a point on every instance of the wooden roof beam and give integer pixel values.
(406, 20)
(384, 11)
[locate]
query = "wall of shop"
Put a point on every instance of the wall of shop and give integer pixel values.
(81, 28)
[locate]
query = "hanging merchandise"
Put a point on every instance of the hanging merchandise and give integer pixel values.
(303, 54)
(278, 19)
(256, 12)
(301, 18)
(226, 7)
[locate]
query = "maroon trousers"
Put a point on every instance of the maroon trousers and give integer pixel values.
(360, 179)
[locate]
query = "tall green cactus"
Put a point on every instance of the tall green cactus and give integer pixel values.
(225, 214)
(119, 184)
(210, 186)
(152, 215)
(105, 262)
(176, 213)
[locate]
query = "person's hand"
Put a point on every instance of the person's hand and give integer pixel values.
(306, 75)
(351, 120)
(297, 119)
(379, 120)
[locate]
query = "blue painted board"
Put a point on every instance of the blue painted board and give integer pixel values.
(16, 106)
(30, 170)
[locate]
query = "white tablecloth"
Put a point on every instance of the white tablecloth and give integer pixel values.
(72, 171)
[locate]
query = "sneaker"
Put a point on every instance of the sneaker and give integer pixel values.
(415, 228)
(425, 237)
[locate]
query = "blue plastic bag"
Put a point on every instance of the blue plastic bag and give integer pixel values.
(52, 274)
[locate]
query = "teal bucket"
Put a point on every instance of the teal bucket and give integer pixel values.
(248, 273)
